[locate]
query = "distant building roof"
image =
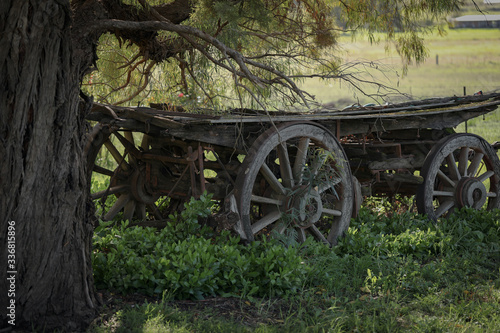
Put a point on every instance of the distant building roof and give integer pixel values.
(476, 18)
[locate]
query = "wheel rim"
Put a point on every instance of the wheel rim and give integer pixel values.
(461, 170)
(113, 163)
(297, 177)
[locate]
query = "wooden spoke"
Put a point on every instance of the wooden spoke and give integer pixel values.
(445, 178)
(272, 180)
(463, 160)
(280, 228)
(332, 212)
(103, 171)
(129, 136)
(117, 207)
(444, 207)
(475, 163)
(486, 175)
(329, 184)
(140, 211)
(112, 190)
(127, 177)
(119, 159)
(452, 167)
(265, 200)
(128, 210)
(145, 142)
(265, 221)
(318, 234)
(285, 167)
(300, 159)
(443, 194)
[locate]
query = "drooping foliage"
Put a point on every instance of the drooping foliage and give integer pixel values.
(207, 53)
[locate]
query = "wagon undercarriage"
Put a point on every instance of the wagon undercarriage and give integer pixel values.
(301, 170)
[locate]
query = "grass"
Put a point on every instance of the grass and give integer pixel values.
(467, 58)
(389, 274)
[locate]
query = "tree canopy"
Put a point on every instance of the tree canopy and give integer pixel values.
(213, 52)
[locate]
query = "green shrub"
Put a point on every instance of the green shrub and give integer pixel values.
(184, 261)
(380, 255)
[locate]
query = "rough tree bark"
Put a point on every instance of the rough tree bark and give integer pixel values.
(43, 185)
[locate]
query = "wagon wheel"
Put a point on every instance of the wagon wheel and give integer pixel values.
(295, 177)
(114, 160)
(461, 170)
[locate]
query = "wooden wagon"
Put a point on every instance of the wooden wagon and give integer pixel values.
(305, 170)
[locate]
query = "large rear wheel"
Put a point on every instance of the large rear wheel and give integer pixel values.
(295, 177)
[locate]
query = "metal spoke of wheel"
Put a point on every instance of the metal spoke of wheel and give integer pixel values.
(300, 159)
(285, 167)
(265, 221)
(272, 180)
(463, 161)
(266, 200)
(444, 207)
(475, 163)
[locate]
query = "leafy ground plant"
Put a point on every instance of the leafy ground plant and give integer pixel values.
(398, 273)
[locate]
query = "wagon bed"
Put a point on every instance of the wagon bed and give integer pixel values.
(386, 148)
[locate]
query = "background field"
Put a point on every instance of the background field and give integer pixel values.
(462, 59)
(465, 58)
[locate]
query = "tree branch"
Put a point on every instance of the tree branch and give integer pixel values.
(189, 32)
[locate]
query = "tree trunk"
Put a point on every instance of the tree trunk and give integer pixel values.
(44, 213)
